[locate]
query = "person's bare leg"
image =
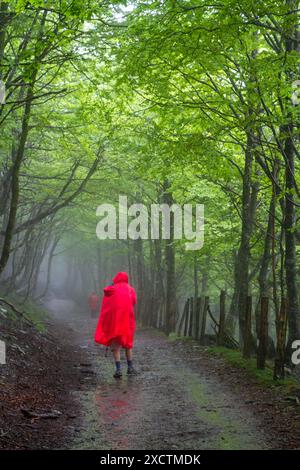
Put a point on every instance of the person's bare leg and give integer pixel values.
(128, 354)
(130, 368)
(117, 354)
(116, 350)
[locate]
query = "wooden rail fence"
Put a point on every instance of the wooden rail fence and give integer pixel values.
(194, 319)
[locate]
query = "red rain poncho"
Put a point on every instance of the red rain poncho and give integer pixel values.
(116, 322)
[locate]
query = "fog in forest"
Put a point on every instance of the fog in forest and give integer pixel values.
(162, 104)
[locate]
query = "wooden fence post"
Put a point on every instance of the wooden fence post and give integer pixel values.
(199, 318)
(281, 325)
(248, 328)
(190, 332)
(203, 321)
(263, 333)
(186, 322)
(182, 318)
(195, 317)
(220, 338)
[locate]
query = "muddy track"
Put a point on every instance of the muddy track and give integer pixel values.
(168, 406)
(179, 400)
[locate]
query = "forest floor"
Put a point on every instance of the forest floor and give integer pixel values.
(184, 397)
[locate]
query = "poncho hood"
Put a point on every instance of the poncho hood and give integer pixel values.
(120, 277)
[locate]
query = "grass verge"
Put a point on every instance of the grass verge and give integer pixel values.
(33, 310)
(264, 377)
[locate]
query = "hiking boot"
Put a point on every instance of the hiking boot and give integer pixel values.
(118, 374)
(131, 371)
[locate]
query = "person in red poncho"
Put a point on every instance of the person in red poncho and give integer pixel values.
(116, 325)
(93, 301)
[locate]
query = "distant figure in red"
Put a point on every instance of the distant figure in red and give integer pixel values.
(116, 325)
(93, 301)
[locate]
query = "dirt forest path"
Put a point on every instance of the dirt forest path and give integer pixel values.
(176, 402)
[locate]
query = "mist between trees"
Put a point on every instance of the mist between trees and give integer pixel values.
(164, 102)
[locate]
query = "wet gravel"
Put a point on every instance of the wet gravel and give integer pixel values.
(167, 406)
(182, 398)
